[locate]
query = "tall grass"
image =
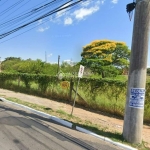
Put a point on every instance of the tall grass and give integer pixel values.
(102, 95)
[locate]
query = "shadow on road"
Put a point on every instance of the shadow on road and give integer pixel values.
(24, 121)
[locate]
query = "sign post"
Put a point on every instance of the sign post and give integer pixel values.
(65, 84)
(80, 74)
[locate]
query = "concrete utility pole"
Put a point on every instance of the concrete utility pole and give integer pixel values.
(45, 57)
(133, 120)
(0, 65)
(58, 64)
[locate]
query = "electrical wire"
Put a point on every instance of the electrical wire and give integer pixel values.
(22, 17)
(58, 9)
(35, 10)
(11, 7)
(43, 16)
(19, 20)
(15, 10)
(26, 31)
(3, 2)
(23, 13)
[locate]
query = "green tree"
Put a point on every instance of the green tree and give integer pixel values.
(9, 62)
(105, 57)
(70, 69)
(148, 71)
(49, 69)
(12, 58)
(29, 66)
(15, 65)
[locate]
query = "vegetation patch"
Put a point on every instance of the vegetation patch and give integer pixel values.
(105, 95)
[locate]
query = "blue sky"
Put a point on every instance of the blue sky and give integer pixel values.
(65, 33)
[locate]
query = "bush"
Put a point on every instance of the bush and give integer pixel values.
(105, 95)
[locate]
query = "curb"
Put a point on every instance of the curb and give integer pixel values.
(70, 125)
(42, 114)
(126, 147)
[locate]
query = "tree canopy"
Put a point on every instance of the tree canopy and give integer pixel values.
(105, 56)
(17, 65)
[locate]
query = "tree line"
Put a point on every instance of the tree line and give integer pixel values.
(18, 65)
(104, 58)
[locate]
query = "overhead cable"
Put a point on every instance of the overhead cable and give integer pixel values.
(58, 9)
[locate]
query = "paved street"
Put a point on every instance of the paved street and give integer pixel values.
(23, 130)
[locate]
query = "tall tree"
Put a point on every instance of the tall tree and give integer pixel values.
(15, 65)
(105, 56)
(12, 58)
(9, 62)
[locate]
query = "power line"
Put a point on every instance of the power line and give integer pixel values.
(41, 17)
(60, 8)
(24, 12)
(11, 7)
(15, 10)
(26, 15)
(32, 28)
(3, 2)
(15, 21)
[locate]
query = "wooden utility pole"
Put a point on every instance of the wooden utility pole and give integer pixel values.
(133, 120)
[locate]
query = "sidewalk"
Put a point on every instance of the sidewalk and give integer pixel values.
(112, 124)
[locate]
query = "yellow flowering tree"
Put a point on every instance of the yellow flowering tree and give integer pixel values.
(105, 57)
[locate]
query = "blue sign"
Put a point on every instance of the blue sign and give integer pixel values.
(137, 96)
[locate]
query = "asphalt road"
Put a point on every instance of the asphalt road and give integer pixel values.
(23, 130)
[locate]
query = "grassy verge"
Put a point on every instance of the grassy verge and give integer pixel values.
(106, 96)
(115, 136)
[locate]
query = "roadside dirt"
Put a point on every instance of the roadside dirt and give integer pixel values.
(107, 122)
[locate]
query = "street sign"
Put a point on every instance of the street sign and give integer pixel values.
(137, 96)
(60, 75)
(65, 84)
(80, 74)
(81, 70)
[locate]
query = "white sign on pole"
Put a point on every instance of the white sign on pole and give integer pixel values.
(81, 70)
(137, 96)
(80, 74)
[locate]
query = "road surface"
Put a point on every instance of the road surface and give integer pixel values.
(22, 130)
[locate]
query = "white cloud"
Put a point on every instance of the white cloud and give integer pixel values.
(83, 12)
(68, 21)
(62, 12)
(114, 1)
(67, 60)
(40, 21)
(42, 29)
(102, 2)
(91, 2)
(49, 55)
(86, 8)
(53, 19)
(86, 3)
